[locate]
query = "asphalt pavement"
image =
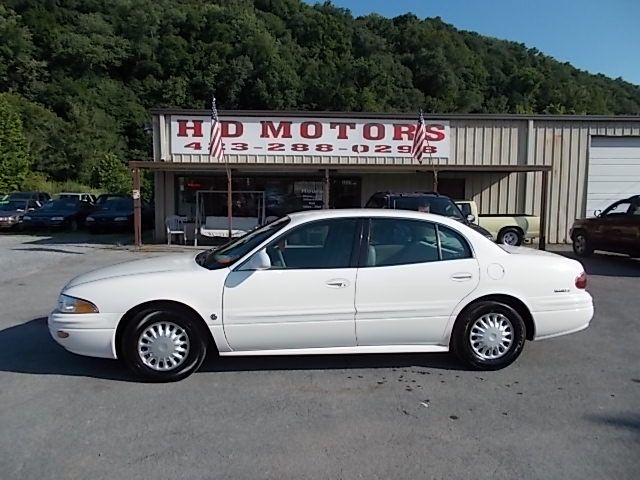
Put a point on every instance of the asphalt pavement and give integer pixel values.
(569, 408)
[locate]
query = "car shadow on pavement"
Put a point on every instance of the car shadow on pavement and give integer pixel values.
(629, 422)
(608, 265)
(28, 348)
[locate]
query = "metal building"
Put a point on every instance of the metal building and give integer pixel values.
(336, 160)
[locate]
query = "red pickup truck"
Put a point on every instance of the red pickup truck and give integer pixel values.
(616, 229)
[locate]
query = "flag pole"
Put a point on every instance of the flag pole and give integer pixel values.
(216, 150)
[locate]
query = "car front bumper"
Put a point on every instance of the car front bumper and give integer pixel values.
(91, 334)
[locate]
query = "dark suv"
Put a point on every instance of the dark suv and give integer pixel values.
(428, 202)
(617, 229)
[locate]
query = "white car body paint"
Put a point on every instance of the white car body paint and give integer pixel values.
(408, 308)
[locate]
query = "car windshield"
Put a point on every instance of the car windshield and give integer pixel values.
(438, 205)
(226, 255)
(66, 204)
(20, 195)
(11, 205)
(118, 204)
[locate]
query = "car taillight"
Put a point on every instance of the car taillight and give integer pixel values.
(581, 281)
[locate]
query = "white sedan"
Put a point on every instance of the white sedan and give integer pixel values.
(326, 282)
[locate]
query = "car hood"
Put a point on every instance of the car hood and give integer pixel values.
(111, 213)
(11, 213)
(52, 213)
(165, 263)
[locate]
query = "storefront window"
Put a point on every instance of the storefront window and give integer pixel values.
(280, 195)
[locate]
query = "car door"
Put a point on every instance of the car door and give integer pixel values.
(607, 232)
(414, 274)
(630, 227)
(305, 299)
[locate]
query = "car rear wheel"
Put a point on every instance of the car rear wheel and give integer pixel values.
(163, 345)
(510, 236)
(489, 336)
(581, 245)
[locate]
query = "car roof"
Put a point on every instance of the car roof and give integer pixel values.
(411, 194)
(306, 215)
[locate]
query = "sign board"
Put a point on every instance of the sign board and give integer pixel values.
(308, 136)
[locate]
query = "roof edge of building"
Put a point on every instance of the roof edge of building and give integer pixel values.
(397, 115)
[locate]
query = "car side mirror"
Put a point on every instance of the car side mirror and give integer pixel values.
(597, 213)
(471, 218)
(259, 261)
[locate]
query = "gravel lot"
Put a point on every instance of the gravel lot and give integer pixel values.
(569, 408)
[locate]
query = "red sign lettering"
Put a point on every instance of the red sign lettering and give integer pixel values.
(305, 127)
(370, 128)
(232, 129)
(435, 132)
(269, 130)
(342, 128)
(184, 127)
(403, 131)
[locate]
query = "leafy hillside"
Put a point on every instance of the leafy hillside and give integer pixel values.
(83, 73)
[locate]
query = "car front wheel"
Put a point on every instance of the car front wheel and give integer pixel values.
(163, 345)
(489, 336)
(581, 245)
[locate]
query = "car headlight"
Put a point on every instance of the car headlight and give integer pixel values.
(57, 219)
(90, 219)
(120, 219)
(67, 304)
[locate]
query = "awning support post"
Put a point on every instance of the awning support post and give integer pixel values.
(542, 243)
(137, 208)
(326, 188)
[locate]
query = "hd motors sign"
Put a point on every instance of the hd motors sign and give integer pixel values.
(308, 136)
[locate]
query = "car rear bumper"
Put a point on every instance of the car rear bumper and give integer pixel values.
(92, 335)
(554, 323)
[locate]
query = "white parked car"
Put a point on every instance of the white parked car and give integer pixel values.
(323, 282)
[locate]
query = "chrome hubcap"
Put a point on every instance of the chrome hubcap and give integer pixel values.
(491, 336)
(579, 243)
(163, 346)
(510, 238)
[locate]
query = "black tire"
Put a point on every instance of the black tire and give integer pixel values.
(194, 332)
(513, 236)
(463, 332)
(581, 244)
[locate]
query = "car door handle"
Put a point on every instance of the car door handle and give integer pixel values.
(461, 277)
(337, 283)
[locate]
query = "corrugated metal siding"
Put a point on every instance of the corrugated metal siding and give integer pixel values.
(564, 144)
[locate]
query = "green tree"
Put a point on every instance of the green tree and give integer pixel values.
(14, 157)
(111, 175)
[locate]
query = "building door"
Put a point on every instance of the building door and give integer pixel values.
(345, 193)
(452, 187)
(614, 171)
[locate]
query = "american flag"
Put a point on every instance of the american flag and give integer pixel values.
(417, 149)
(215, 135)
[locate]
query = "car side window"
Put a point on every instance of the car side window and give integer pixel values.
(377, 201)
(452, 245)
(317, 245)
(465, 208)
(401, 242)
(618, 209)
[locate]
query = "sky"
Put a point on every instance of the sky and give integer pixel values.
(600, 36)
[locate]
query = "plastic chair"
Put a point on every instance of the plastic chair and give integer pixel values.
(175, 226)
